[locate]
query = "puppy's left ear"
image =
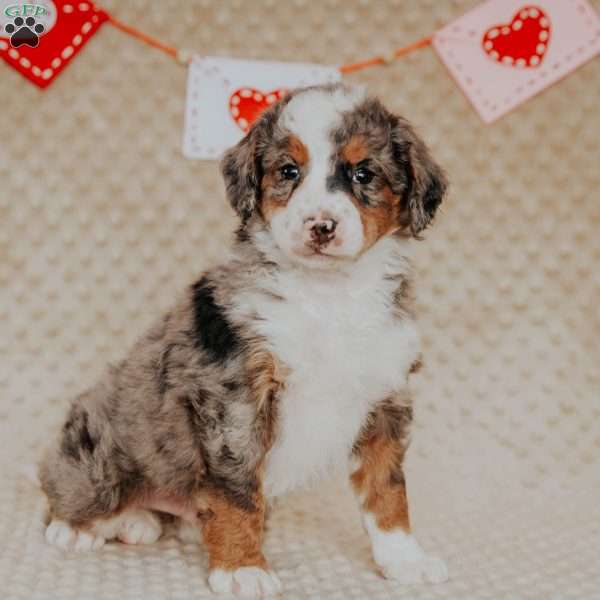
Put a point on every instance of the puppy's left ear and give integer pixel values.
(425, 181)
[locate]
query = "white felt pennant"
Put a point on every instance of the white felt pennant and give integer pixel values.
(226, 95)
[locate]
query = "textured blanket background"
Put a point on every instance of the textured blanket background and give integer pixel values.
(102, 220)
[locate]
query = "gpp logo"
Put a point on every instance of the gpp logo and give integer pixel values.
(24, 22)
(24, 32)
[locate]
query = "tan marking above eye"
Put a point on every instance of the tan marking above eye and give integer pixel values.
(297, 150)
(355, 150)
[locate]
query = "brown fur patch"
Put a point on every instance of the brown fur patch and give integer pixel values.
(233, 536)
(266, 377)
(416, 366)
(270, 202)
(379, 220)
(355, 150)
(275, 192)
(380, 482)
(297, 150)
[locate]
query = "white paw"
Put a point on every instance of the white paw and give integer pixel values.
(400, 557)
(139, 527)
(427, 569)
(62, 535)
(245, 582)
(188, 533)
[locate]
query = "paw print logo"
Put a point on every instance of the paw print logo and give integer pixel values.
(24, 32)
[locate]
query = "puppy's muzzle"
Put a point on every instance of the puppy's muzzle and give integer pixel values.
(318, 232)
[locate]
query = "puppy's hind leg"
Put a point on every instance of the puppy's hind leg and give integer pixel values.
(90, 484)
(132, 526)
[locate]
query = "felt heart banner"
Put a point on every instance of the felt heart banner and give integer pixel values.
(40, 39)
(246, 105)
(505, 51)
(522, 42)
(225, 96)
(501, 53)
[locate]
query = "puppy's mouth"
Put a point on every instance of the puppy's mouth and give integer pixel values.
(316, 254)
(317, 250)
(326, 253)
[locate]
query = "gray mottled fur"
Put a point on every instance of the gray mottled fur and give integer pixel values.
(177, 414)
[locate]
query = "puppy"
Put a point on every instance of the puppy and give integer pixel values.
(288, 361)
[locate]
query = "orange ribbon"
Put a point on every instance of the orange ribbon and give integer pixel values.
(344, 69)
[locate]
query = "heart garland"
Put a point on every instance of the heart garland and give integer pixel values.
(523, 42)
(246, 105)
(41, 52)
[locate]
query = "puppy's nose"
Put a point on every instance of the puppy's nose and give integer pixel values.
(322, 230)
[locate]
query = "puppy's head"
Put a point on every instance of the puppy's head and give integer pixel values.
(328, 173)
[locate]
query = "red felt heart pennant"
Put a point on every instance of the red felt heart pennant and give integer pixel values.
(523, 42)
(246, 104)
(41, 41)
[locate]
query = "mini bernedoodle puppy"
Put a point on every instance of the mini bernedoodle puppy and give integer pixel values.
(287, 361)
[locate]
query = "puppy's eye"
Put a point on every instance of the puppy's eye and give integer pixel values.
(362, 176)
(290, 172)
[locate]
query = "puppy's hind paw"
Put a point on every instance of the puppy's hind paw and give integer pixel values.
(424, 570)
(245, 582)
(65, 537)
(188, 533)
(139, 527)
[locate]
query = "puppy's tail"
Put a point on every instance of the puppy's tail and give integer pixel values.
(30, 472)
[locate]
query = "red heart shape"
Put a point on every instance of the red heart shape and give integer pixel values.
(75, 23)
(246, 104)
(523, 42)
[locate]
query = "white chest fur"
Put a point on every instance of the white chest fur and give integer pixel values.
(345, 352)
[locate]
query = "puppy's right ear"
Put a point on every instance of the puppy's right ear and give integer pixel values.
(242, 165)
(241, 169)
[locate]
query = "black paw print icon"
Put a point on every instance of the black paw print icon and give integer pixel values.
(24, 32)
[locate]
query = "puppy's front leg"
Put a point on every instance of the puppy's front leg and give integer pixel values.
(378, 480)
(233, 534)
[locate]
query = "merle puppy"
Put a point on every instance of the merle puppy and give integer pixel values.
(287, 361)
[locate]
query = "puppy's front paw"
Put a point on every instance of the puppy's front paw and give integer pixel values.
(427, 569)
(400, 557)
(65, 537)
(245, 582)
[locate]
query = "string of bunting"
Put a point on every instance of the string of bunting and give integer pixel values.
(186, 56)
(500, 53)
